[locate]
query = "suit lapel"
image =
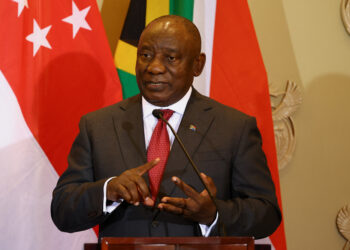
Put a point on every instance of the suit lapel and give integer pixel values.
(129, 128)
(198, 117)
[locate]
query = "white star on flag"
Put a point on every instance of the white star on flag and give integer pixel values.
(21, 4)
(77, 19)
(38, 37)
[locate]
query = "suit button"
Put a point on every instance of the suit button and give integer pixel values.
(155, 224)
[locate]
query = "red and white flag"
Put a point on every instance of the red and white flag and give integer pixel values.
(55, 66)
(235, 75)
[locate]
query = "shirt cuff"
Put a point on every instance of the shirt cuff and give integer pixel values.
(207, 229)
(109, 208)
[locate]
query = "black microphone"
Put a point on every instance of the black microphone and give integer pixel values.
(158, 113)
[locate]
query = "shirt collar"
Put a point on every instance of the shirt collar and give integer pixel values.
(178, 107)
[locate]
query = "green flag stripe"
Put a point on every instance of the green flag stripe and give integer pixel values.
(129, 84)
(182, 8)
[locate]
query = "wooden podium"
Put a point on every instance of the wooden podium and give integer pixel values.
(176, 243)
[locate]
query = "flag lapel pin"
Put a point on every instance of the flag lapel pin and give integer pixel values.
(193, 128)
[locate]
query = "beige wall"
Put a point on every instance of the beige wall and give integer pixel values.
(305, 41)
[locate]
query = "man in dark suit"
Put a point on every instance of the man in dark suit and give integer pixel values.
(107, 183)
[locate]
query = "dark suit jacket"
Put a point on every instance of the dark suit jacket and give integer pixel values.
(225, 146)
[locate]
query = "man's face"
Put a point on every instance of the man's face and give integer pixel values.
(166, 63)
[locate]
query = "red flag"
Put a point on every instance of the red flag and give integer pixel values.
(238, 79)
(55, 66)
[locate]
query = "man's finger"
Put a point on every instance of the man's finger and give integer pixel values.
(209, 183)
(123, 193)
(189, 191)
(145, 167)
(142, 188)
(132, 188)
(177, 202)
(171, 208)
(148, 202)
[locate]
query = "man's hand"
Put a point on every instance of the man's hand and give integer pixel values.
(131, 186)
(197, 206)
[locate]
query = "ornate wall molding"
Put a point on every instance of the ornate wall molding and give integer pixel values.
(343, 224)
(284, 104)
(345, 14)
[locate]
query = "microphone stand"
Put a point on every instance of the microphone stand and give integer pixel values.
(159, 114)
(189, 158)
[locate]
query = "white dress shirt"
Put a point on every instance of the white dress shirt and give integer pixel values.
(150, 121)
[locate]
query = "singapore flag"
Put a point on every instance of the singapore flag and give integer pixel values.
(55, 66)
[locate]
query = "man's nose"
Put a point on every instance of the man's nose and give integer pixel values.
(156, 66)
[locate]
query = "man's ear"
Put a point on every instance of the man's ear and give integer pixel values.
(198, 64)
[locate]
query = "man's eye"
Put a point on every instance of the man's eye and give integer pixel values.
(171, 58)
(145, 55)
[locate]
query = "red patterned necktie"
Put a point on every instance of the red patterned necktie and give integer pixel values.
(159, 146)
